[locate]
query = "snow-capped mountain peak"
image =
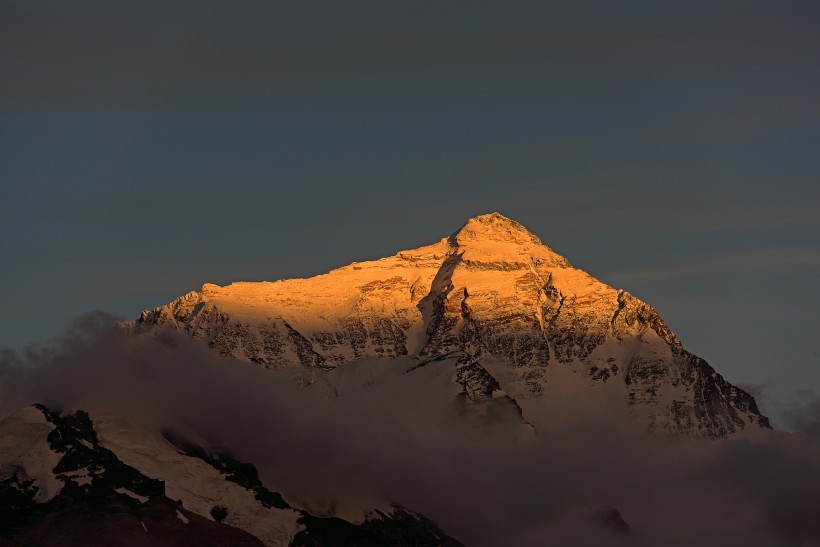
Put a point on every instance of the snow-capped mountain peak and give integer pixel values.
(527, 325)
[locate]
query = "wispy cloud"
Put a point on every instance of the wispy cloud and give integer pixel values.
(406, 441)
(803, 259)
(713, 220)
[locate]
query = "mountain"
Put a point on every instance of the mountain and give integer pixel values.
(438, 378)
(70, 481)
(506, 321)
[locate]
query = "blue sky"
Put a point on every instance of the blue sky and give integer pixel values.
(671, 150)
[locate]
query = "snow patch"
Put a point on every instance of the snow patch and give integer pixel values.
(182, 517)
(80, 476)
(130, 494)
(24, 449)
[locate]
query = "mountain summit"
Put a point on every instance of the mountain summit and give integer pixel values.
(494, 227)
(514, 323)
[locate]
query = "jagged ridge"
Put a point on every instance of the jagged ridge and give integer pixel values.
(101, 499)
(491, 291)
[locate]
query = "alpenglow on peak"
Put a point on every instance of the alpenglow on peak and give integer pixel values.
(504, 318)
(494, 227)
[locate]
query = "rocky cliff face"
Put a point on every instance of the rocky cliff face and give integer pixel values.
(521, 322)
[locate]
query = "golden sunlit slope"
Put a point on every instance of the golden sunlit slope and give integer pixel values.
(538, 329)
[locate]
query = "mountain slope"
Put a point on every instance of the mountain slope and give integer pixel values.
(65, 480)
(522, 324)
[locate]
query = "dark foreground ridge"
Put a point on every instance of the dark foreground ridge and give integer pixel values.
(106, 502)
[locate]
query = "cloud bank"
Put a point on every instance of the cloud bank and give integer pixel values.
(407, 442)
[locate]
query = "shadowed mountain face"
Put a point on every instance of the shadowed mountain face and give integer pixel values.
(62, 483)
(518, 325)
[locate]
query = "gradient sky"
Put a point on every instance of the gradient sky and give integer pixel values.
(671, 149)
